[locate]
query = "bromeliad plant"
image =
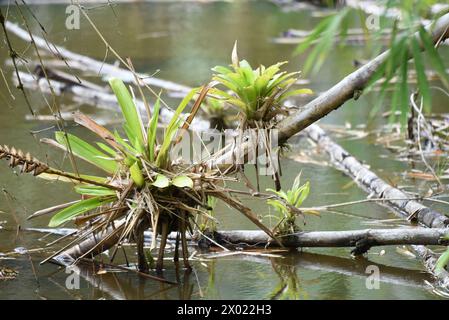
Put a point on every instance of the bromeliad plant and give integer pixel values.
(257, 93)
(287, 206)
(215, 110)
(142, 188)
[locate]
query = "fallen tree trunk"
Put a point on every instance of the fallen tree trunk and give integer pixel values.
(371, 183)
(347, 88)
(85, 63)
(306, 260)
(102, 99)
(362, 240)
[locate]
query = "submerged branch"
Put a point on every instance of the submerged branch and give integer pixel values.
(371, 183)
(368, 180)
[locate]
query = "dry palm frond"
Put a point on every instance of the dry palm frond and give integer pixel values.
(28, 163)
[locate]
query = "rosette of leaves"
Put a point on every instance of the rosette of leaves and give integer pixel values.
(257, 93)
(287, 204)
(141, 182)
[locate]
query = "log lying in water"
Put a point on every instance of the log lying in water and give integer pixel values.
(84, 63)
(371, 183)
(306, 260)
(102, 99)
(362, 240)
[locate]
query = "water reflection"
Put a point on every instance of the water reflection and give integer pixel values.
(289, 286)
(290, 272)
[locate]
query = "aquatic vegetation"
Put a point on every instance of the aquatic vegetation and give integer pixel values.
(287, 204)
(142, 187)
(257, 93)
(216, 112)
(406, 38)
(7, 273)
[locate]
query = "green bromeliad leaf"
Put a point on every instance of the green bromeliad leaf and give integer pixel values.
(136, 174)
(134, 125)
(161, 181)
(172, 129)
(87, 152)
(182, 182)
(96, 191)
(56, 177)
(152, 130)
(78, 208)
(250, 89)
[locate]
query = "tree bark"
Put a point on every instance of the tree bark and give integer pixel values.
(371, 183)
(346, 88)
(352, 238)
(314, 239)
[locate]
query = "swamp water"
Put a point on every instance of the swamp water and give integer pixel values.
(184, 40)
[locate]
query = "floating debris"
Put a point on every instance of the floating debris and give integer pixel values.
(405, 252)
(7, 273)
(21, 250)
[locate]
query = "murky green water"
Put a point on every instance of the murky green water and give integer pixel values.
(183, 41)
